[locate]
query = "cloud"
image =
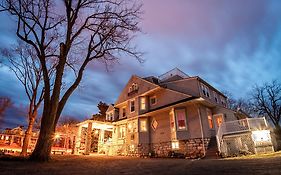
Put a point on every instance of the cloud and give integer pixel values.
(231, 44)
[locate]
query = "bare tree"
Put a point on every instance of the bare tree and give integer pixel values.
(22, 60)
(267, 102)
(84, 31)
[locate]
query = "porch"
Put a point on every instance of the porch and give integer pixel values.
(246, 136)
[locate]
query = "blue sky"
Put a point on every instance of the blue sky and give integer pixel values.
(232, 44)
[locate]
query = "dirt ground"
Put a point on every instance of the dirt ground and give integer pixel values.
(103, 165)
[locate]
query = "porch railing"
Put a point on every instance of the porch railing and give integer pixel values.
(239, 126)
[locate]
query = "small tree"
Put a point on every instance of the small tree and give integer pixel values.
(84, 31)
(102, 111)
(23, 62)
(267, 102)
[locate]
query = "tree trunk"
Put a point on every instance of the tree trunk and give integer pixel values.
(27, 135)
(45, 140)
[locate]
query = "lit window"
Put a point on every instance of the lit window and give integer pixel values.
(122, 131)
(219, 120)
(124, 112)
(175, 145)
(210, 119)
(130, 127)
(142, 103)
(153, 100)
(143, 125)
(132, 106)
(181, 119)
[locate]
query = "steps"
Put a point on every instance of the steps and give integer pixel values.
(212, 150)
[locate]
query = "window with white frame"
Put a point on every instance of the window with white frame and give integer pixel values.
(153, 100)
(143, 125)
(132, 106)
(142, 103)
(122, 131)
(181, 119)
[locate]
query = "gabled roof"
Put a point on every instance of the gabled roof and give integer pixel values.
(174, 72)
(145, 86)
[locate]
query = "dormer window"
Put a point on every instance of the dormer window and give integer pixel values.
(216, 97)
(223, 102)
(205, 90)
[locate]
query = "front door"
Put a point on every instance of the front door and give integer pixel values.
(219, 119)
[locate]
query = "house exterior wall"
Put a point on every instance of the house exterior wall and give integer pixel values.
(165, 96)
(228, 114)
(187, 86)
(192, 141)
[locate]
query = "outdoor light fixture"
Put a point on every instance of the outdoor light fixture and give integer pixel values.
(262, 135)
(96, 131)
(57, 136)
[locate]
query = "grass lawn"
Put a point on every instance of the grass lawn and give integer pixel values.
(97, 164)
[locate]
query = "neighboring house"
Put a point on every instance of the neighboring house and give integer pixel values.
(11, 140)
(173, 114)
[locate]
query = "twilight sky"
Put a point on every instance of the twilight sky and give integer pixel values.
(232, 44)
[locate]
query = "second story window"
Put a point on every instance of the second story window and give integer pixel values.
(142, 103)
(132, 106)
(123, 112)
(153, 100)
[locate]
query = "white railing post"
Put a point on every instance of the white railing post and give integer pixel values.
(265, 122)
(248, 124)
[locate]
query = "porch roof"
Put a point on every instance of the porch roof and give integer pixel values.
(107, 126)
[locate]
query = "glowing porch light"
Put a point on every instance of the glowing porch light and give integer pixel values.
(96, 132)
(57, 135)
(261, 135)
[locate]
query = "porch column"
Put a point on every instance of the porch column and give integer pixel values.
(88, 139)
(101, 140)
(101, 135)
(77, 141)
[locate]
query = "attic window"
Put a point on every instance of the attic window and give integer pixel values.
(133, 88)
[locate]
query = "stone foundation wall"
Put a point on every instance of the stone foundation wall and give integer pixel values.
(195, 147)
(191, 148)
